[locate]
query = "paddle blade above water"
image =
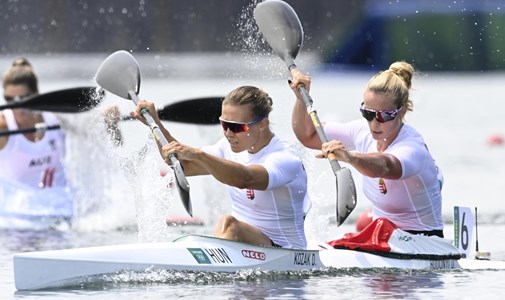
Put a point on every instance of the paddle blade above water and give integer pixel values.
(281, 28)
(119, 74)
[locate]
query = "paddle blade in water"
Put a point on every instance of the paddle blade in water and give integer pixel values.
(119, 74)
(182, 185)
(346, 195)
(281, 28)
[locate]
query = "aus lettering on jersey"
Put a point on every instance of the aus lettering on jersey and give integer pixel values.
(37, 162)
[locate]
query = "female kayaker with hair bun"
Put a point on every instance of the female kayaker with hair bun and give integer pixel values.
(33, 159)
(400, 177)
(32, 163)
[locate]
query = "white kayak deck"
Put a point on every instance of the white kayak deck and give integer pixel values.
(60, 268)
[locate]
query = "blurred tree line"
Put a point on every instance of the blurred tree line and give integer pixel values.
(434, 35)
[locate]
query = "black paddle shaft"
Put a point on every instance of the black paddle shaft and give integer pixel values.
(30, 130)
(71, 100)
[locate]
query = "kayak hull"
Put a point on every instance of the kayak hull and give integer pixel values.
(61, 268)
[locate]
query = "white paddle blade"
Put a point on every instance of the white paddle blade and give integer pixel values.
(346, 195)
(281, 28)
(119, 74)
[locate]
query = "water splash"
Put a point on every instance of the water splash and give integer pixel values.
(93, 167)
(322, 192)
(248, 41)
(154, 194)
(115, 187)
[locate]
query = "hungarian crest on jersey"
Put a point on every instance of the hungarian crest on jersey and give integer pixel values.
(250, 194)
(382, 186)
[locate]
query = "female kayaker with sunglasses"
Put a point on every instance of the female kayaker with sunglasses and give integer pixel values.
(266, 179)
(400, 177)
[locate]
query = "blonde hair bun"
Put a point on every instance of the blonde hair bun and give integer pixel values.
(404, 70)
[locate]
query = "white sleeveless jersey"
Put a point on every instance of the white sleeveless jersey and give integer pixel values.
(36, 164)
(277, 211)
(413, 202)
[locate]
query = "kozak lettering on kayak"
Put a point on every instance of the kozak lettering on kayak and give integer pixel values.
(305, 259)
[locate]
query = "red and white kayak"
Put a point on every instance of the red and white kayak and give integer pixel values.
(60, 268)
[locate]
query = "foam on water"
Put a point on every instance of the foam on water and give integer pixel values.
(175, 277)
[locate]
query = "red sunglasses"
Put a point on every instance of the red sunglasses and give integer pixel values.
(237, 127)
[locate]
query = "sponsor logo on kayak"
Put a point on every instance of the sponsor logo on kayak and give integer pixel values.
(305, 259)
(405, 238)
(199, 255)
(254, 254)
